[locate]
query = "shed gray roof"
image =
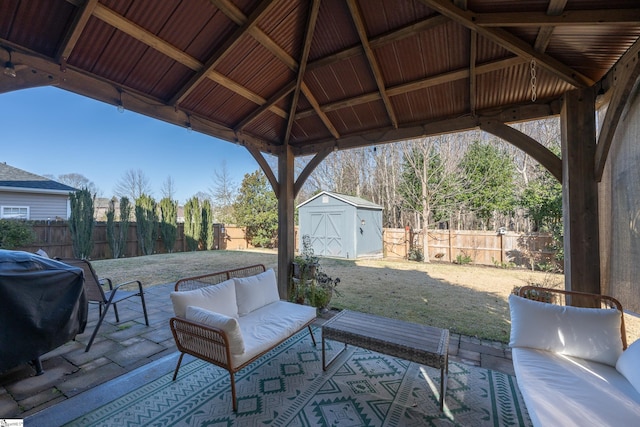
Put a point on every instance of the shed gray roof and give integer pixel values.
(14, 178)
(352, 200)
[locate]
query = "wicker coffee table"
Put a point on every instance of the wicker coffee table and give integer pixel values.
(422, 344)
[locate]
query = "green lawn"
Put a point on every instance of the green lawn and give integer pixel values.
(466, 299)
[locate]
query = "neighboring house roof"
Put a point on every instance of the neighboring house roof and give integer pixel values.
(14, 179)
(352, 200)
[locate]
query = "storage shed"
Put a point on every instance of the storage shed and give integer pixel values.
(341, 226)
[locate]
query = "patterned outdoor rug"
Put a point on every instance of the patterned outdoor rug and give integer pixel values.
(287, 387)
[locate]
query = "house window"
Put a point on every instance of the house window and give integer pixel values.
(14, 212)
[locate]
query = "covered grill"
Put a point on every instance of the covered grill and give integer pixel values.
(42, 306)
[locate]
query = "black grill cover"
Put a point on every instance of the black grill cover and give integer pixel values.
(42, 306)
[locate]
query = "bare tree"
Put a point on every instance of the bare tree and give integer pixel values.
(346, 172)
(376, 174)
(546, 132)
(76, 180)
(223, 193)
(385, 180)
(431, 182)
(369, 172)
(133, 184)
(202, 196)
(168, 189)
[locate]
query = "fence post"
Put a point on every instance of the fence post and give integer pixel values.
(406, 242)
(425, 244)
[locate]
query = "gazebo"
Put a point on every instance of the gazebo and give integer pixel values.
(296, 78)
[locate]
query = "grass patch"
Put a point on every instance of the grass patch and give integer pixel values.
(166, 268)
(466, 299)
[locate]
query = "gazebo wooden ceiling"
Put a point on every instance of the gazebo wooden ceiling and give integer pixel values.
(318, 73)
(303, 77)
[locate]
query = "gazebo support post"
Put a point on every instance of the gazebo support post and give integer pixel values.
(286, 225)
(580, 192)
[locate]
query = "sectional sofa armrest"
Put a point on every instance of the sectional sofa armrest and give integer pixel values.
(202, 341)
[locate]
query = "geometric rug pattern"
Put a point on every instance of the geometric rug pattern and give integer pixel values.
(287, 387)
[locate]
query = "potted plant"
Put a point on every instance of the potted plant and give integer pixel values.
(308, 285)
(322, 290)
(305, 265)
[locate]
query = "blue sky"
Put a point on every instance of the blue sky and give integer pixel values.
(49, 131)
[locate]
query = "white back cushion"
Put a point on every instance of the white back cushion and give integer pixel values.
(256, 291)
(220, 298)
(588, 333)
(628, 364)
(228, 324)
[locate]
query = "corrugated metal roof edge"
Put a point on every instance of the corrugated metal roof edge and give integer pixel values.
(344, 198)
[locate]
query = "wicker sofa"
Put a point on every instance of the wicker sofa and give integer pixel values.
(571, 363)
(231, 318)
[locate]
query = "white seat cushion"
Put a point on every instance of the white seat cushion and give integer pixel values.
(228, 324)
(256, 291)
(275, 322)
(588, 333)
(220, 298)
(628, 364)
(568, 391)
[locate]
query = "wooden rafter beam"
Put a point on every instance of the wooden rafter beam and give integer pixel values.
(510, 42)
(237, 88)
(232, 12)
(271, 102)
(627, 73)
(356, 15)
(266, 168)
(543, 38)
(310, 167)
(473, 58)
(235, 14)
(318, 110)
(507, 114)
(47, 71)
(566, 18)
(382, 40)
(117, 21)
(143, 36)
(439, 79)
(73, 34)
(306, 48)
(473, 55)
(218, 56)
(542, 154)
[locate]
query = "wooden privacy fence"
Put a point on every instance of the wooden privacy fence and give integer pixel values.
(481, 247)
(478, 247)
(55, 238)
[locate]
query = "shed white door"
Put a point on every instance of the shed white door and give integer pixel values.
(326, 236)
